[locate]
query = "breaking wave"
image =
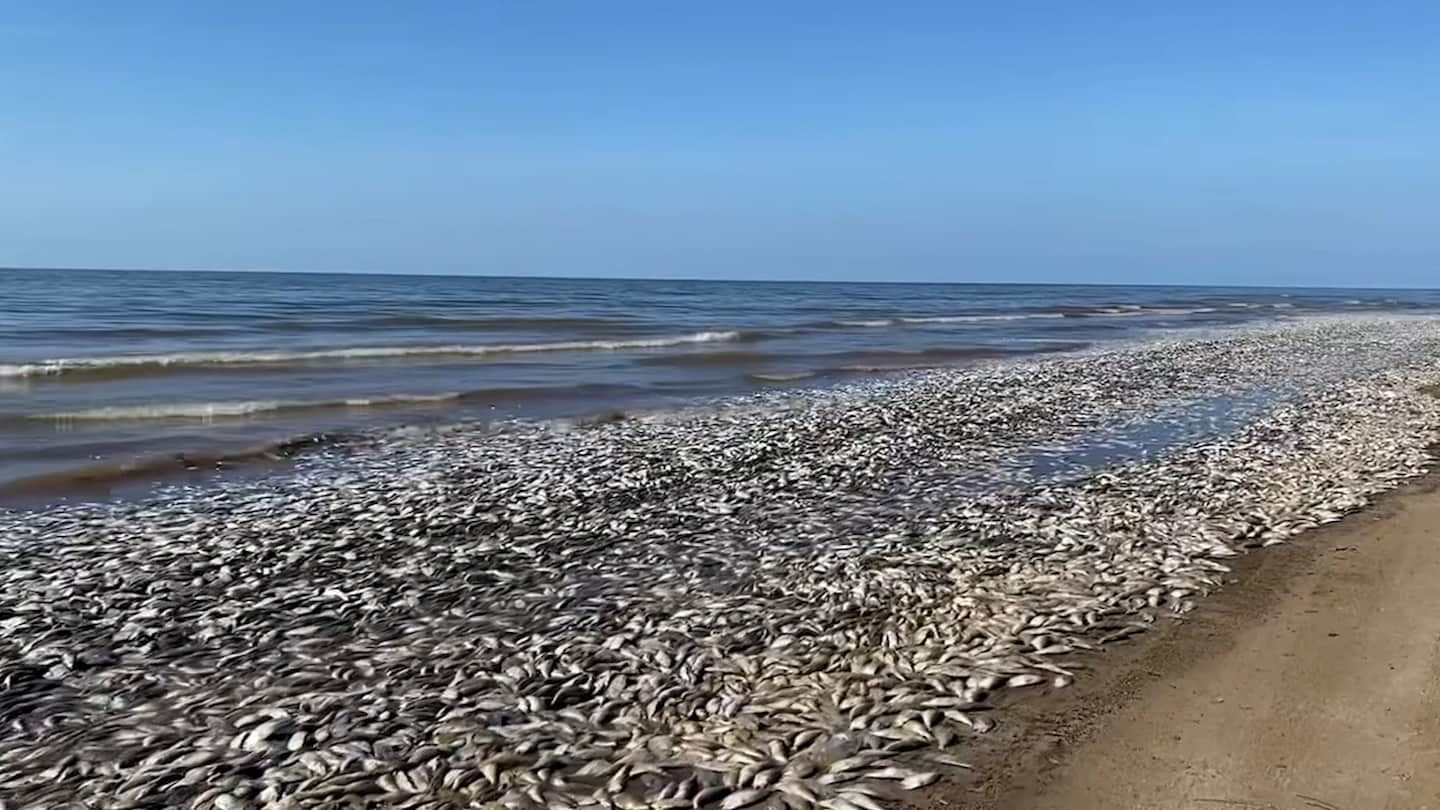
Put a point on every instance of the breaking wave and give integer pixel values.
(208, 411)
(138, 365)
(237, 410)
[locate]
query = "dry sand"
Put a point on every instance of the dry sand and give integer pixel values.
(1311, 681)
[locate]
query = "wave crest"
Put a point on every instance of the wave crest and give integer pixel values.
(131, 365)
(235, 410)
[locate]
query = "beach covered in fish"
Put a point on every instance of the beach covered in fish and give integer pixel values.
(799, 599)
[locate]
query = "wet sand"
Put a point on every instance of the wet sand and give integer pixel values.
(1311, 681)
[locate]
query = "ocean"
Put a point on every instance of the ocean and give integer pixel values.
(115, 379)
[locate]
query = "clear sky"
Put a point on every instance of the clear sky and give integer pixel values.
(1202, 142)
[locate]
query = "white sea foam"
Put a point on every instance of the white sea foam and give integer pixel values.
(922, 319)
(138, 363)
(232, 410)
(981, 318)
(1133, 311)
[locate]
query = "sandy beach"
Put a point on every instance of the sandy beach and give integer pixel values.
(1312, 680)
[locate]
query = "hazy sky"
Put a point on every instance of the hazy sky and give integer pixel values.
(1269, 142)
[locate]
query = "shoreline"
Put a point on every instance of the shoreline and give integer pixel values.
(275, 448)
(1308, 681)
(87, 431)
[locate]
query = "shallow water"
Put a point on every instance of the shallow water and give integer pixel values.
(124, 375)
(1141, 439)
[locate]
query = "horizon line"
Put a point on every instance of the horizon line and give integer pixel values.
(269, 271)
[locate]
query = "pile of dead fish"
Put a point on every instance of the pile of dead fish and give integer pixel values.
(807, 600)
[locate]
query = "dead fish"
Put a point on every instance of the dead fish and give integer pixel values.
(743, 798)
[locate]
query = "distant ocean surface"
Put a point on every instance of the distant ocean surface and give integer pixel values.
(110, 376)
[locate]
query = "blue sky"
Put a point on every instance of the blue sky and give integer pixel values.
(1279, 142)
